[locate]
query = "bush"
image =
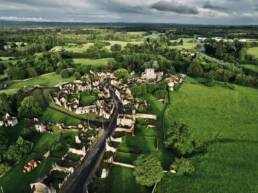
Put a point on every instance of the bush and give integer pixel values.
(65, 73)
(121, 73)
(195, 69)
(30, 108)
(77, 75)
(182, 166)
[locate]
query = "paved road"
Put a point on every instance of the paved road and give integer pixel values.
(87, 169)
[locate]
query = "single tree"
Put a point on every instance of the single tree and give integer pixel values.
(30, 108)
(148, 170)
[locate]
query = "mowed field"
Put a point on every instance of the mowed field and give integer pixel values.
(227, 120)
(188, 43)
(49, 79)
(253, 51)
(93, 62)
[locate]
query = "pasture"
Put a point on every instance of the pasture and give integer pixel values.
(49, 79)
(253, 51)
(226, 120)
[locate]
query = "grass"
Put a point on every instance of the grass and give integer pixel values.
(122, 180)
(75, 48)
(87, 99)
(49, 79)
(123, 43)
(188, 43)
(82, 116)
(93, 62)
(53, 116)
(138, 144)
(227, 121)
(251, 68)
(17, 181)
(253, 51)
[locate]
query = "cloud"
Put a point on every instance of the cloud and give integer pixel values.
(209, 5)
(175, 7)
(14, 18)
(174, 11)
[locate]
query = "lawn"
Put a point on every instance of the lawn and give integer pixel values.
(227, 121)
(138, 144)
(50, 79)
(122, 180)
(87, 99)
(253, 51)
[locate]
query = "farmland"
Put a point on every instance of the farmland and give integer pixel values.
(230, 138)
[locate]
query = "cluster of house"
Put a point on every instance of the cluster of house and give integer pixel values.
(8, 121)
(188, 53)
(31, 165)
(49, 127)
(68, 98)
(175, 80)
(65, 167)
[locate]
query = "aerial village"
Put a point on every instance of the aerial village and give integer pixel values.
(109, 89)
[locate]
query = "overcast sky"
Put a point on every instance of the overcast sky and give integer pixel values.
(168, 11)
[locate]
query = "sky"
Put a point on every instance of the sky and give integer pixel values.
(224, 12)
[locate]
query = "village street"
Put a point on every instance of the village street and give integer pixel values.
(81, 177)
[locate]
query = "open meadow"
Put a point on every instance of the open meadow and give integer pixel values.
(225, 120)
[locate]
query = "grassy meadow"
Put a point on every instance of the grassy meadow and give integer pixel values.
(227, 121)
(253, 51)
(50, 79)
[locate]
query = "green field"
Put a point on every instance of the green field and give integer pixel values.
(76, 48)
(93, 62)
(53, 116)
(227, 121)
(251, 68)
(121, 180)
(253, 51)
(50, 79)
(123, 43)
(188, 43)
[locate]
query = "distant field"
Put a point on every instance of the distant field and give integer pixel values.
(73, 48)
(251, 68)
(123, 43)
(253, 51)
(94, 62)
(188, 43)
(50, 79)
(227, 121)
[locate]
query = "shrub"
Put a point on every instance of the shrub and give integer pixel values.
(182, 166)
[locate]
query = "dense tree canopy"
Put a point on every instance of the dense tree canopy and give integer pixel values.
(30, 108)
(148, 170)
